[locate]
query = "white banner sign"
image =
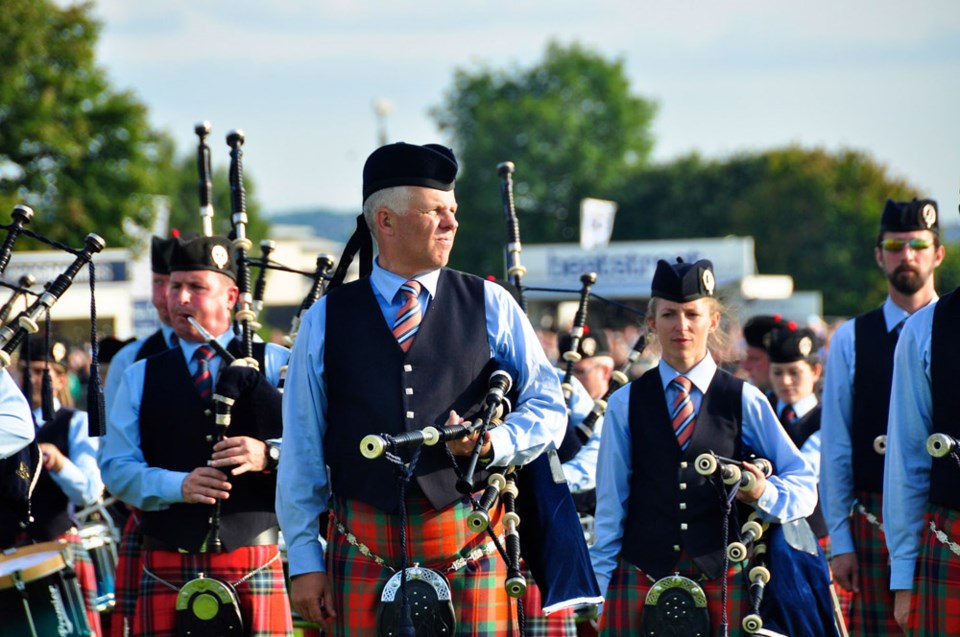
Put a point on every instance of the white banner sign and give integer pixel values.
(596, 222)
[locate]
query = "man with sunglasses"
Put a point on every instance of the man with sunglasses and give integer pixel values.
(856, 400)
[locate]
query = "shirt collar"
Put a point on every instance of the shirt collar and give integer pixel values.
(38, 412)
(189, 347)
(802, 407)
(701, 374)
(388, 284)
(893, 314)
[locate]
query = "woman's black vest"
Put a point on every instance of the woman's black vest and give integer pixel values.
(671, 507)
(178, 434)
(945, 381)
(873, 376)
(373, 387)
(799, 431)
(50, 506)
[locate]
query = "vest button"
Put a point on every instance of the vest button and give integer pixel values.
(408, 391)
(683, 526)
(683, 506)
(683, 486)
(410, 415)
(683, 465)
(676, 547)
(408, 368)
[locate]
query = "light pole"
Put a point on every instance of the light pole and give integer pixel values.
(382, 107)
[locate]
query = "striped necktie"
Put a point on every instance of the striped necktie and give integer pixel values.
(682, 415)
(202, 378)
(407, 323)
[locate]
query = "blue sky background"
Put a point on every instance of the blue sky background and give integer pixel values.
(300, 76)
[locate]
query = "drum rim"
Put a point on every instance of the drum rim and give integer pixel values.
(53, 564)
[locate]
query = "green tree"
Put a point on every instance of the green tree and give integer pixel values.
(570, 125)
(81, 153)
(814, 214)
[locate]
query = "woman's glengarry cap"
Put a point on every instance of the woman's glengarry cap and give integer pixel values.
(682, 282)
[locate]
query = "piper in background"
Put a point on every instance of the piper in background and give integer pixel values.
(856, 399)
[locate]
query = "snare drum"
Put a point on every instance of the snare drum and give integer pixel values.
(98, 542)
(39, 593)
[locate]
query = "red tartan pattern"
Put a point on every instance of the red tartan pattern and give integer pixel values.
(935, 603)
(558, 624)
(127, 577)
(872, 612)
(844, 597)
(622, 609)
(434, 540)
(87, 578)
(264, 605)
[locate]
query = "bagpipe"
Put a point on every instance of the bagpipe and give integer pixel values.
(784, 569)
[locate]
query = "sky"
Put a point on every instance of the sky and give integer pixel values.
(301, 77)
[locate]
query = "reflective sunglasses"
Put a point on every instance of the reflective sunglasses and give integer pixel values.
(896, 245)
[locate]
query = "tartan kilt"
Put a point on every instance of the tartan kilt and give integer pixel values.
(872, 612)
(86, 578)
(264, 605)
(127, 578)
(434, 540)
(622, 608)
(558, 624)
(935, 603)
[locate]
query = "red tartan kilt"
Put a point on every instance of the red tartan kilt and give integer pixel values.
(87, 578)
(127, 577)
(622, 610)
(264, 605)
(558, 624)
(434, 540)
(872, 612)
(935, 603)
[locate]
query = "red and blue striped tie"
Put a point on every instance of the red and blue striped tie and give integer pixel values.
(682, 415)
(202, 378)
(407, 323)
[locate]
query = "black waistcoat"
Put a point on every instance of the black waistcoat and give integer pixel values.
(154, 344)
(945, 375)
(176, 434)
(50, 506)
(374, 387)
(799, 431)
(671, 507)
(872, 378)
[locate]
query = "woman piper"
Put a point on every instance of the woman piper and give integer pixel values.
(661, 528)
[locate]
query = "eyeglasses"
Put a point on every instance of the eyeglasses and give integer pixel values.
(896, 245)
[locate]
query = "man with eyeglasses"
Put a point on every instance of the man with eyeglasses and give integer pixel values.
(856, 401)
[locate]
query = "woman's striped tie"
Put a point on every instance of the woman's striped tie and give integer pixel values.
(682, 415)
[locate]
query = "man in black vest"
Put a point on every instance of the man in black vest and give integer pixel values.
(855, 404)
(921, 502)
(161, 455)
(411, 345)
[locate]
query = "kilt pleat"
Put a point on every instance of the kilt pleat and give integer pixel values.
(622, 609)
(559, 624)
(872, 609)
(127, 577)
(86, 578)
(434, 540)
(264, 605)
(935, 603)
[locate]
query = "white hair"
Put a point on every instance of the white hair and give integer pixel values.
(395, 198)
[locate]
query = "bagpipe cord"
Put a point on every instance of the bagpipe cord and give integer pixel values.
(727, 502)
(404, 473)
(521, 615)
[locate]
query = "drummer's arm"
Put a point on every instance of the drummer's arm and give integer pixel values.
(124, 469)
(79, 475)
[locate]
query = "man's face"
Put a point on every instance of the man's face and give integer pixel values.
(158, 287)
(594, 374)
(57, 374)
(756, 363)
(421, 237)
(206, 296)
(909, 269)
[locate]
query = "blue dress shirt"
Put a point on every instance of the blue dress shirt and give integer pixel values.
(581, 470)
(16, 423)
(537, 421)
(836, 423)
